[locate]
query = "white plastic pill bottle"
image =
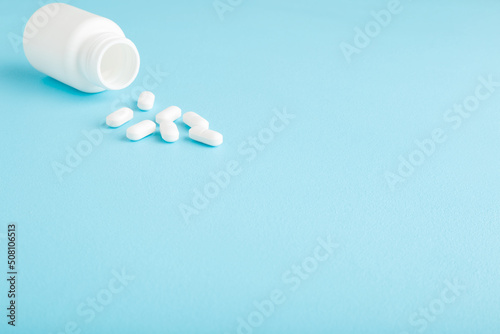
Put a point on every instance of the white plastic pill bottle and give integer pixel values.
(81, 49)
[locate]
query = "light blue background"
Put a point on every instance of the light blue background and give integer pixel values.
(324, 174)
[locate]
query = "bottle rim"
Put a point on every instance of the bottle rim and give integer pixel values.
(114, 62)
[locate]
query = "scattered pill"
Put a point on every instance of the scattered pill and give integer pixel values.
(192, 119)
(170, 114)
(119, 117)
(169, 131)
(141, 130)
(146, 101)
(205, 136)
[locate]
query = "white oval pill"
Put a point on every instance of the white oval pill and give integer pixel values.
(205, 136)
(169, 131)
(146, 100)
(170, 114)
(141, 130)
(193, 119)
(119, 117)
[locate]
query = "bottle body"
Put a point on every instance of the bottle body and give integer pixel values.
(81, 49)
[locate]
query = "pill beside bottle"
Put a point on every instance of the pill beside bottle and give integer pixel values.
(141, 130)
(169, 131)
(192, 119)
(169, 114)
(205, 136)
(146, 101)
(119, 117)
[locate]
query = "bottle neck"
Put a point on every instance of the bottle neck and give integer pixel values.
(111, 61)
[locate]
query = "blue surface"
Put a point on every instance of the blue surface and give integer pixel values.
(324, 175)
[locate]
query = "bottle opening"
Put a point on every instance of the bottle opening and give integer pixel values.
(119, 65)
